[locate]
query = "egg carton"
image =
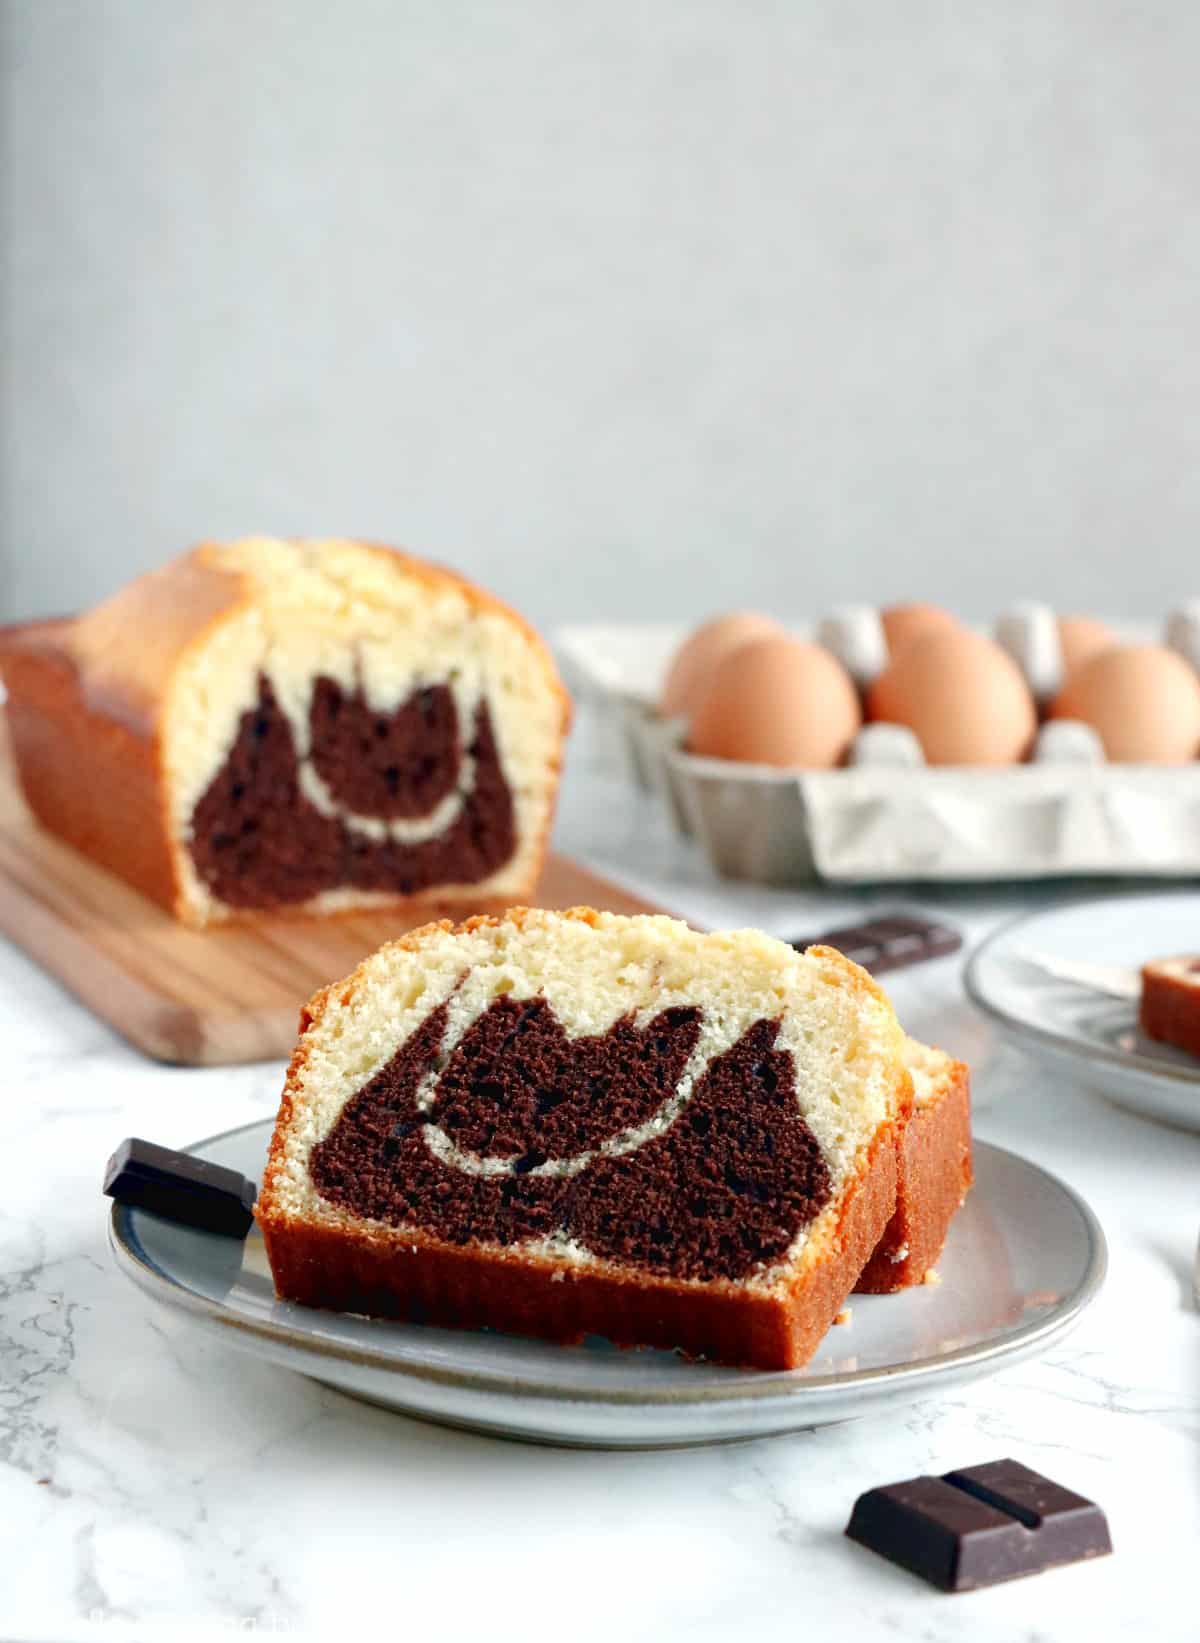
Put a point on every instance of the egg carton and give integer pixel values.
(887, 816)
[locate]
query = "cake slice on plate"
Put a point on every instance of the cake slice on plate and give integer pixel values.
(934, 1172)
(1170, 1003)
(293, 725)
(564, 1124)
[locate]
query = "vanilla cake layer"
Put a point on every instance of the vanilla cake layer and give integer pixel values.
(588, 1095)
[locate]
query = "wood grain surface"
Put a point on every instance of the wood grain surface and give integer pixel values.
(201, 997)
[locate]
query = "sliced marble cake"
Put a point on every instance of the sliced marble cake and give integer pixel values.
(1170, 1005)
(564, 1124)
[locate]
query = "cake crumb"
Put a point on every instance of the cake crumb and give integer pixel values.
(933, 1276)
(844, 1316)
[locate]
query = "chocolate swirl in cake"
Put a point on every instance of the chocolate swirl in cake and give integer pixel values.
(259, 839)
(618, 1141)
(401, 763)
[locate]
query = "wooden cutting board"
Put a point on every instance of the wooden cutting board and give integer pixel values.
(200, 997)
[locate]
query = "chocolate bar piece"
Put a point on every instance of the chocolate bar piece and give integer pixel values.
(980, 1525)
(181, 1187)
(888, 942)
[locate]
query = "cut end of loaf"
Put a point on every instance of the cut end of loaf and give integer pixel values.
(586, 1096)
(325, 725)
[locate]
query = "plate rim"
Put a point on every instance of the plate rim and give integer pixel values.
(761, 1388)
(1047, 1038)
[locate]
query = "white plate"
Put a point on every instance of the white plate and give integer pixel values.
(1092, 1038)
(1025, 1256)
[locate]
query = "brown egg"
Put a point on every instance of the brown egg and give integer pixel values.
(701, 654)
(964, 699)
(1143, 701)
(778, 701)
(904, 623)
(1081, 637)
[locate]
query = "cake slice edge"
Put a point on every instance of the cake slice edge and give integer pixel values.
(934, 1173)
(1169, 1009)
(337, 1260)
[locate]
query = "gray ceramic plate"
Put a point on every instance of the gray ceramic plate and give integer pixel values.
(1089, 1037)
(1025, 1256)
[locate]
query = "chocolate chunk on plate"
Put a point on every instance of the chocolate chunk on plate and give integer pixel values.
(889, 941)
(980, 1525)
(181, 1188)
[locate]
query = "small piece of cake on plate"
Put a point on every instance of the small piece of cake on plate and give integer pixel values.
(303, 725)
(934, 1172)
(1170, 1007)
(563, 1124)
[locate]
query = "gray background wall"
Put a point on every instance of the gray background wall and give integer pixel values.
(626, 308)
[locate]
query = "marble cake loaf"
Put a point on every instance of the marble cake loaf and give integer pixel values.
(304, 725)
(564, 1124)
(934, 1172)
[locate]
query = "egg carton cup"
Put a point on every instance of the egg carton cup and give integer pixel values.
(888, 817)
(890, 824)
(616, 672)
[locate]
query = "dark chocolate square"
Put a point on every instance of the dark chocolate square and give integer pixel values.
(979, 1525)
(181, 1187)
(889, 941)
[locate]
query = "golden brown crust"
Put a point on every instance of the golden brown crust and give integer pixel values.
(87, 777)
(85, 699)
(128, 648)
(934, 1175)
(843, 972)
(1170, 1008)
(393, 1272)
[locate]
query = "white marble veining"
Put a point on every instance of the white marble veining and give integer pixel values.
(155, 1484)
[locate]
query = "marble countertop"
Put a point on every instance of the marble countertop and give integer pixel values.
(156, 1484)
